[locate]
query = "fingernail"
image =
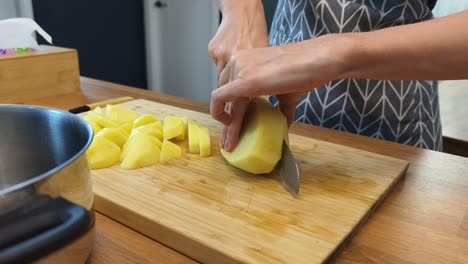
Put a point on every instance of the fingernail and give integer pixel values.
(226, 146)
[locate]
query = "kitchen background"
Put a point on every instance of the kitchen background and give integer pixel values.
(159, 45)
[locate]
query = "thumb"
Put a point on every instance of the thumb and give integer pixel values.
(237, 111)
(289, 111)
(287, 104)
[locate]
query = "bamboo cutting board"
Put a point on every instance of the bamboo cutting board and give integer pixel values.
(215, 213)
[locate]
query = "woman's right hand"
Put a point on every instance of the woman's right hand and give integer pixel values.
(243, 26)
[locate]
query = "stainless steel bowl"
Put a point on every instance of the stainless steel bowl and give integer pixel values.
(46, 197)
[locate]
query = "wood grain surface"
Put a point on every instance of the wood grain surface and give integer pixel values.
(115, 243)
(31, 76)
(216, 213)
(423, 220)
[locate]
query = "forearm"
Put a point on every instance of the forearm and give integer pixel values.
(430, 50)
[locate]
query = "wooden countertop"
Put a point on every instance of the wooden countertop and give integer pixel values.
(423, 220)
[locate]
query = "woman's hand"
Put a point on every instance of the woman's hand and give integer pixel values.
(243, 27)
(287, 71)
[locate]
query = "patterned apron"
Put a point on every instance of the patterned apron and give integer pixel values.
(405, 112)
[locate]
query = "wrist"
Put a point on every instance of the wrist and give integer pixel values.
(363, 55)
(346, 54)
(319, 60)
(244, 8)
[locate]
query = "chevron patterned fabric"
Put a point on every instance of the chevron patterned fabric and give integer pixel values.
(405, 112)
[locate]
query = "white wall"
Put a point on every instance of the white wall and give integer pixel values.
(447, 7)
(7, 9)
(177, 38)
(24, 8)
(16, 8)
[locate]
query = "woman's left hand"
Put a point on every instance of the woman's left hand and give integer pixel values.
(287, 71)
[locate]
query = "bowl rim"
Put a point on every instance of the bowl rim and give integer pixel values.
(23, 184)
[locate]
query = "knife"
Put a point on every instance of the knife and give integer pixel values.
(84, 108)
(288, 170)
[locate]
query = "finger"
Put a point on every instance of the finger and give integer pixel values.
(222, 96)
(220, 65)
(217, 110)
(214, 59)
(212, 50)
(238, 109)
(223, 137)
(224, 75)
(229, 92)
(289, 112)
(288, 108)
(227, 109)
(217, 106)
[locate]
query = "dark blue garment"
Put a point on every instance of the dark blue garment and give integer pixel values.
(406, 112)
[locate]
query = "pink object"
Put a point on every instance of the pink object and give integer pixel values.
(16, 51)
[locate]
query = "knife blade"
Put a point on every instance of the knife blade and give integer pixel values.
(288, 170)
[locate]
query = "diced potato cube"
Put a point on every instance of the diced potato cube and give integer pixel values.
(184, 132)
(151, 129)
(193, 138)
(96, 127)
(115, 134)
(173, 127)
(205, 142)
(127, 127)
(158, 124)
(101, 120)
(144, 120)
(102, 153)
(169, 151)
(142, 133)
(120, 114)
(147, 138)
(98, 110)
(141, 152)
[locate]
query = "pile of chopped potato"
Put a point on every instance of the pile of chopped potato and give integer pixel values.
(121, 135)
